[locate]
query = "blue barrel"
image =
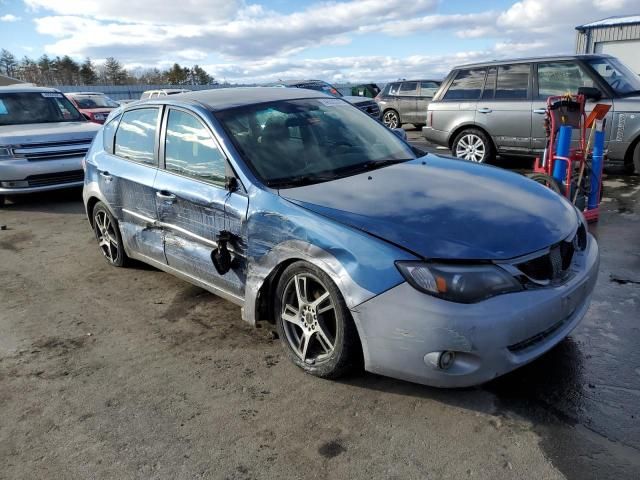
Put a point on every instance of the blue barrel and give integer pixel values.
(563, 147)
(596, 170)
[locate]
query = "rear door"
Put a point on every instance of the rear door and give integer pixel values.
(559, 78)
(504, 109)
(407, 102)
(194, 207)
(427, 90)
(132, 170)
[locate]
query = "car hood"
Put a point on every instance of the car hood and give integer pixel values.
(441, 208)
(357, 100)
(47, 132)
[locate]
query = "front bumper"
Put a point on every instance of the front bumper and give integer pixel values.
(18, 176)
(403, 329)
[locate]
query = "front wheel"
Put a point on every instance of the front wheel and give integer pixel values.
(107, 232)
(314, 323)
(473, 145)
(391, 119)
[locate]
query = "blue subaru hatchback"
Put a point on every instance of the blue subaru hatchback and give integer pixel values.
(311, 215)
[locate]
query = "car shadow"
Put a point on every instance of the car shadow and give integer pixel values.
(55, 201)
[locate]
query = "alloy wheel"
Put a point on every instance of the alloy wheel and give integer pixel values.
(390, 119)
(106, 235)
(471, 147)
(309, 318)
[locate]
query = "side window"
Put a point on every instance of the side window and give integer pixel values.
(393, 89)
(490, 85)
(561, 78)
(467, 85)
(428, 89)
(109, 134)
(190, 149)
(136, 135)
(408, 89)
(513, 82)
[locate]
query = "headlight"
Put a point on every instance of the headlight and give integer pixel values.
(459, 283)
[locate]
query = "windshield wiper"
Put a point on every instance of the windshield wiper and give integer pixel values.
(299, 180)
(370, 165)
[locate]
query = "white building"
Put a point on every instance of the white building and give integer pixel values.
(617, 36)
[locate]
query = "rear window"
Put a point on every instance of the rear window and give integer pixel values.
(513, 82)
(467, 85)
(22, 108)
(136, 135)
(94, 101)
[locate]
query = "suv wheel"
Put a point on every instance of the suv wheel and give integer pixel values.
(391, 119)
(314, 323)
(473, 145)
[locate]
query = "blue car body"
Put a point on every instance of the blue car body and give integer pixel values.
(355, 229)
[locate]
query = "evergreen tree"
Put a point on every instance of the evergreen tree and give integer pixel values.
(8, 63)
(88, 75)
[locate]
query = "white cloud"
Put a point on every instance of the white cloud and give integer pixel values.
(9, 18)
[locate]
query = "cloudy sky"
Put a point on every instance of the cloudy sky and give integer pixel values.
(263, 40)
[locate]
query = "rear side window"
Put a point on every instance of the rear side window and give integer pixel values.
(393, 89)
(109, 134)
(190, 149)
(561, 78)
(408, 89)
(467, 85)
(136, 135)
(513, 82)
(428, 89)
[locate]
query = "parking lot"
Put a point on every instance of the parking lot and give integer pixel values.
(132, 373)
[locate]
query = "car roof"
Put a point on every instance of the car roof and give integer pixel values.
(417, 80)
(27, 89)
(84, 93)
(224, 98)
(293, 83)
(532, 59)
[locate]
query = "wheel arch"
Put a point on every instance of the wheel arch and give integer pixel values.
(631, 150)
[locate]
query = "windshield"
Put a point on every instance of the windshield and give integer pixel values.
(36, 107)
(295, 142)
(320, 87)
(620, 78)
(94, 101)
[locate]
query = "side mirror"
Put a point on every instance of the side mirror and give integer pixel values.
(590, 93)
(231, 184)
(400, 132)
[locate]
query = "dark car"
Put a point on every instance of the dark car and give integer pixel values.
(95, 106)
(406, 102)
(363, 103)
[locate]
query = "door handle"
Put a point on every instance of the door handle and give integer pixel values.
(540, 111)
(484, 110)
(166, 196)
(107, 177)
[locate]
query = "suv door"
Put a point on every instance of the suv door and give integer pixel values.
(427, 90)
(132, 170)
(504, 109)
(407, 102)
(194, 206)
(558, 78)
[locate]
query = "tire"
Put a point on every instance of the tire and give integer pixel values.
(635, 161)
(1, 201)
(547, 181)
(473, 145)
(391, 119)
(107, 232)
(318, 336)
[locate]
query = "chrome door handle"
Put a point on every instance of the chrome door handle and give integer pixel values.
(484, 110)
(166, 196)
(106, 176)
(540, 111)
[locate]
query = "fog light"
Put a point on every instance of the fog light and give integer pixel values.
(446, 359)
(15, 184)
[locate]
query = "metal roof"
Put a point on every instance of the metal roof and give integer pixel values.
(611, 21)
(224, 98)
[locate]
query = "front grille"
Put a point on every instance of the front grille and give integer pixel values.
(537, 338)
(553, 266)
(49, 179)
(52, 150)
(371, 108)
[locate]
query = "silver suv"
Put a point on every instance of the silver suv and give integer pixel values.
(406, 101)
(43, 139)
(499, 107)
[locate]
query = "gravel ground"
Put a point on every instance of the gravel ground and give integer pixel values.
(131, 373)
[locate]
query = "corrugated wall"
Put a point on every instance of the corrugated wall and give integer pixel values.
(586, 41)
